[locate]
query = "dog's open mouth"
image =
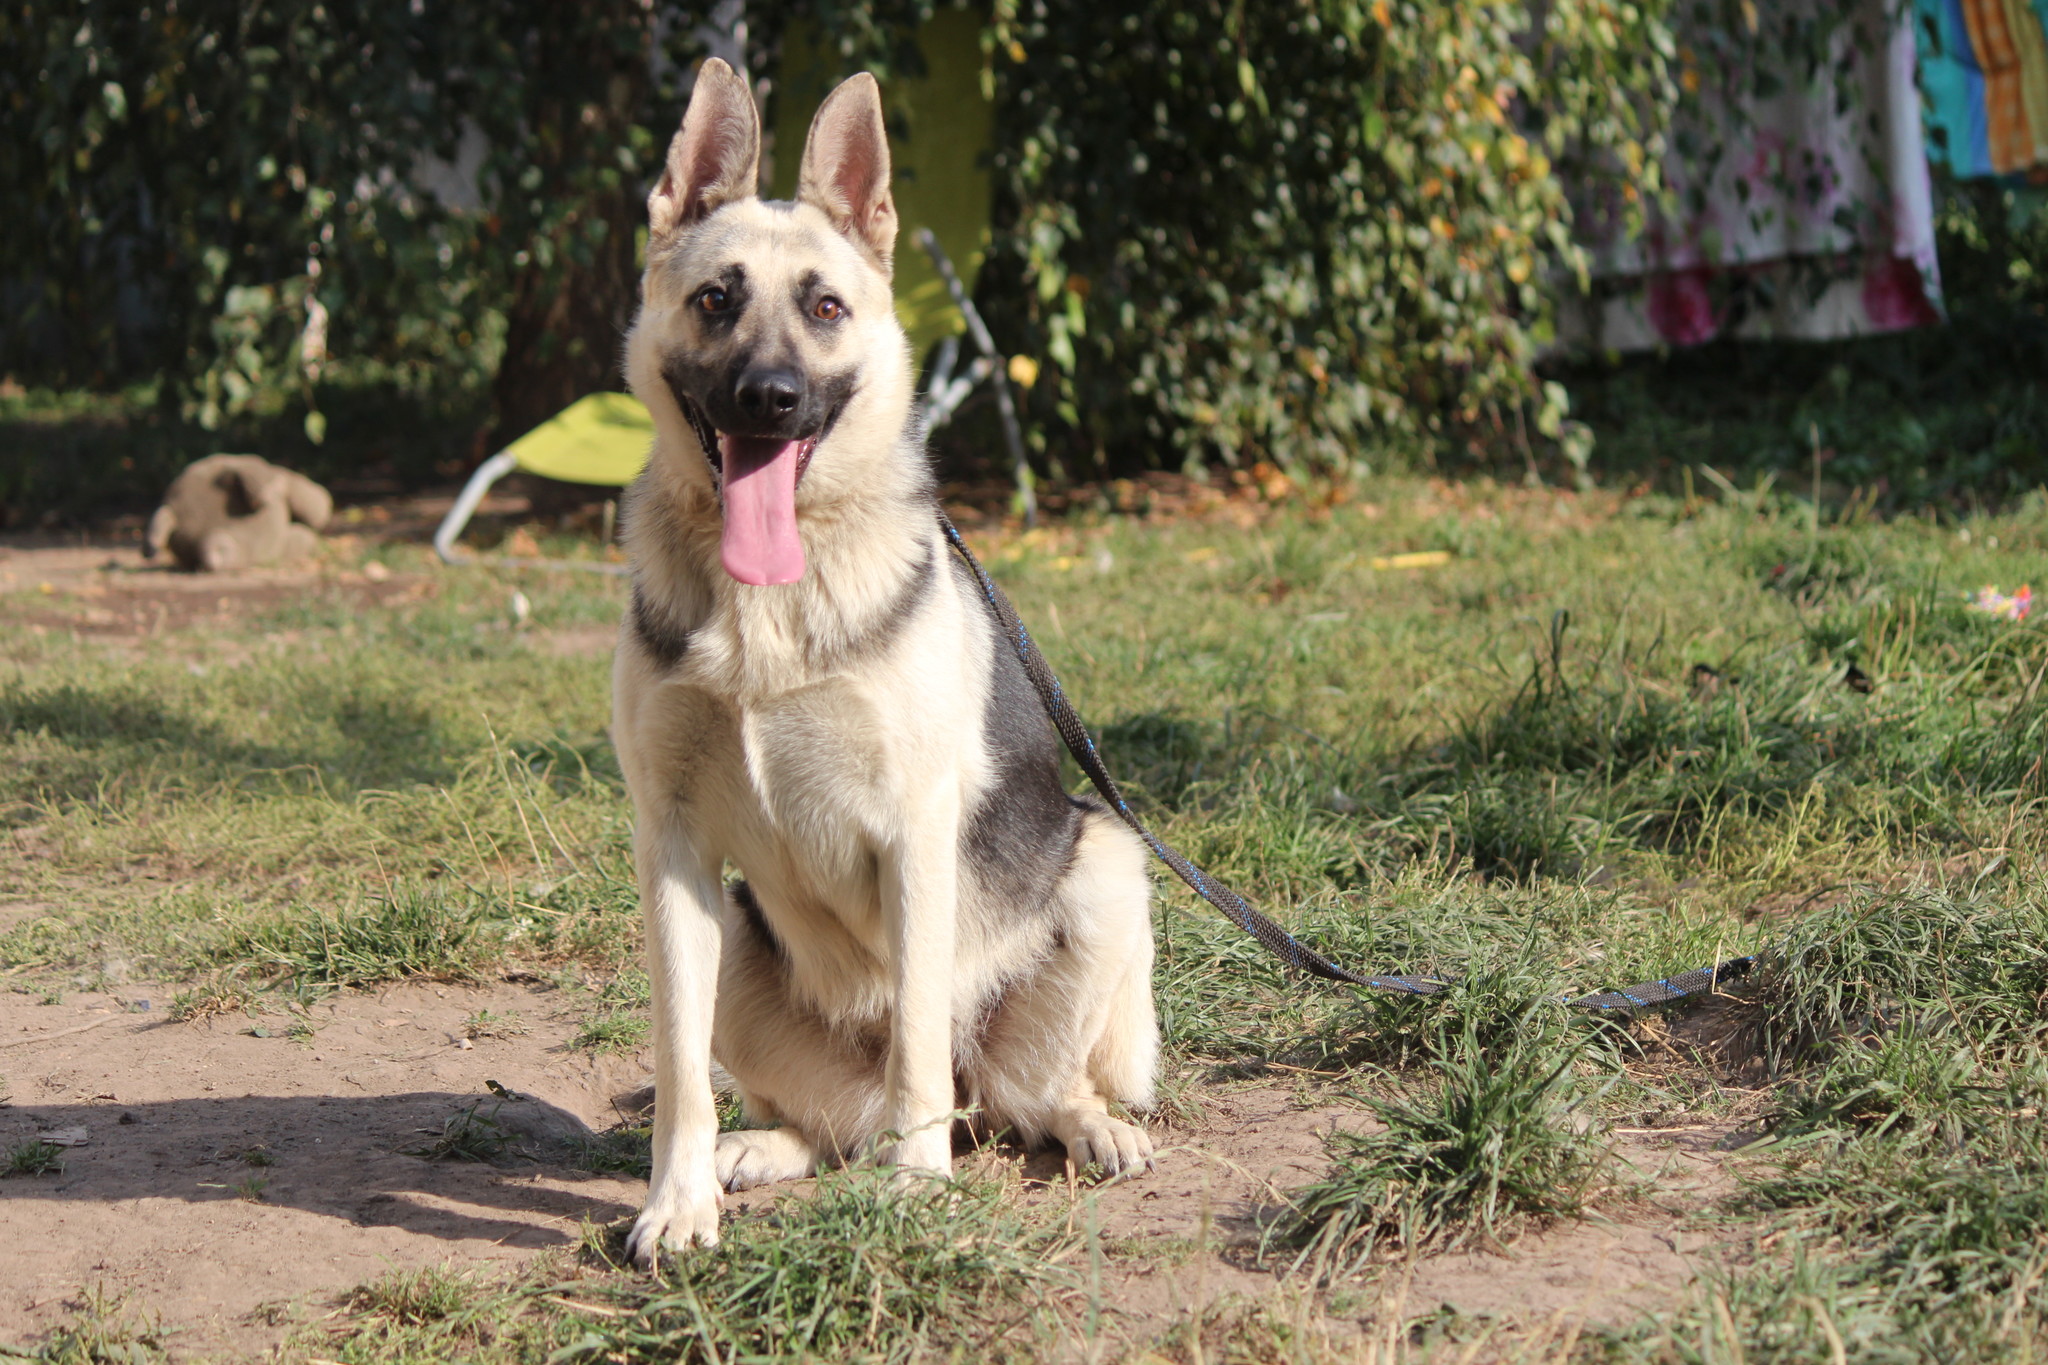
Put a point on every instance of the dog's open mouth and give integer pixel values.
(757, 478)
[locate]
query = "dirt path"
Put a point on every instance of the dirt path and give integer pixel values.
(162, 1203)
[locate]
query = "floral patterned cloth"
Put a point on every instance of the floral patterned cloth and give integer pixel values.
(1805, 206)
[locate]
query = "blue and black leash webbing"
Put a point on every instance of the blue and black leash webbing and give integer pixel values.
(1234, 907)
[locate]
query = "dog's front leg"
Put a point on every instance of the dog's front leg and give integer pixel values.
(680, 904)
(920, 896)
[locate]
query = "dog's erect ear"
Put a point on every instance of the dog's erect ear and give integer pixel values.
(846, 167)
(714, 159)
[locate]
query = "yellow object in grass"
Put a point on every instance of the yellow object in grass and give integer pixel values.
(1414, 559)
(600, 439)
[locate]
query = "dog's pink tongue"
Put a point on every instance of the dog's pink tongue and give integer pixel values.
(760, 544)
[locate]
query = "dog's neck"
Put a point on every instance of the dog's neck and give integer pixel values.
(871, 551)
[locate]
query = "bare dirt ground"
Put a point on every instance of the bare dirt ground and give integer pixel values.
(159, 1200)
(231, 1180)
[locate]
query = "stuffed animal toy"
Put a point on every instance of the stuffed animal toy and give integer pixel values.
(234, 511)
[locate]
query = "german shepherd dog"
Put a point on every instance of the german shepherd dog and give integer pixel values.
(810, 690)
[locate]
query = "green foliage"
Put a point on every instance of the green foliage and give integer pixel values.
(612, 1030)
(196, 175)
(228, 195)
(860, 1270)
(101, 1333)
(1968, 969)
(1290, 232)
(1504, 1136)
(467, 1135)
(1899, 1243)
(33, 1157)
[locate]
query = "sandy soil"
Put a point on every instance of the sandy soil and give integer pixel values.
(160, 1203)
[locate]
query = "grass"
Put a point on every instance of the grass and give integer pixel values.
(101, 1332)
(33, 1157)
(1500, 1137)
(409, 933)
(1614, 736)
(468, 1135)
(858, 1271)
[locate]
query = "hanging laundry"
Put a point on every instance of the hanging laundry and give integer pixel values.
(1984, 66)
(1803, 205)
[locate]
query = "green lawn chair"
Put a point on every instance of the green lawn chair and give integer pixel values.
(602, 439)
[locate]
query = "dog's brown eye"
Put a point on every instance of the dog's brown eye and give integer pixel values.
(714, 300)
(829, 309)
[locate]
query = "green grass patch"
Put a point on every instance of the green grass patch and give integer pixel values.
(1502, 1138)
(32, 1157)
(408, 932)
(861, 1271)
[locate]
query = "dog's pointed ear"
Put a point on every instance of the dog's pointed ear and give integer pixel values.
(846, 168)
(715, 158)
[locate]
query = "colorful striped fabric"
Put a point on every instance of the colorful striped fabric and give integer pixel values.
(1984, 71)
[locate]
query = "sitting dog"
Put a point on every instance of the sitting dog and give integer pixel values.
(234, 511)
(811, 690)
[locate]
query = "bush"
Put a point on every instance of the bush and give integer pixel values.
(1294, 232)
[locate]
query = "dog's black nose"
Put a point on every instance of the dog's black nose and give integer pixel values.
(766, 395)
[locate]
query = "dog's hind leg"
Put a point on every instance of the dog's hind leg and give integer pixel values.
(1080, 1031)
(823, 1089)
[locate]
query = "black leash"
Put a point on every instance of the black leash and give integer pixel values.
(1235, 908)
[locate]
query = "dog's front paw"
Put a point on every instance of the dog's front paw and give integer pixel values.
(676, 1220)
(1110, 1145)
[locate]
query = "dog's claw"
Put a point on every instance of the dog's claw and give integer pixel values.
(1113, 1147)
(675, 1222)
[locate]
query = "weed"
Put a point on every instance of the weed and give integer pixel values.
(251, 1189)
(612, 1030)
(223, 993)
(1933, 964)
(102, 1333)
(467, 1135)
(414, 1298)
(33, 1157)
(493, 1024)
(625, 1150)
(1501, 1139)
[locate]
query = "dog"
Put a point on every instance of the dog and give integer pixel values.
(809, 690)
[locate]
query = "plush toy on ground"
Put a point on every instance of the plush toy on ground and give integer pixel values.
(234, 511)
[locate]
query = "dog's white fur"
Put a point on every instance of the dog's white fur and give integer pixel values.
(836, 741)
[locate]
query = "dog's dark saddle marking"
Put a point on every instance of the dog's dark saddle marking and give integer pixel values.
(881, 630)
(664, 639)
(1022, 835)
(1234, 907)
